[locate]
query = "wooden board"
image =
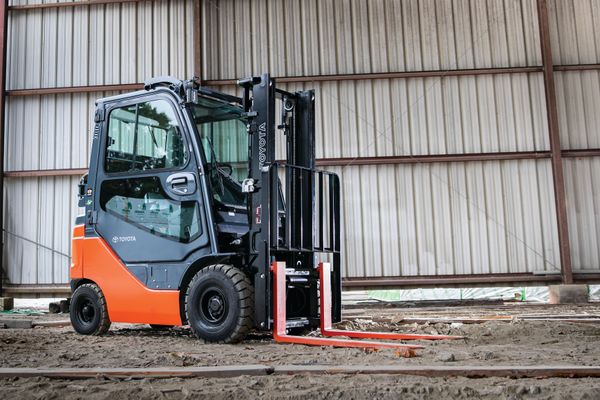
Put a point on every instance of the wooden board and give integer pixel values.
(509, 371)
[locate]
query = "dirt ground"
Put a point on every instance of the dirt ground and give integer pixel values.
(516, 341)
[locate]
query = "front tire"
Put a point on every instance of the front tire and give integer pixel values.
(88, 311)
(219, 304)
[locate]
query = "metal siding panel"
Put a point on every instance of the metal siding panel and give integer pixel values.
(578, 101)
(383, 119)
(46, 203)
(388, 222)
(460, 219)
(29, 211)
(127, 43)
(531, 31)
(464, 34)
(425, 240)
(407, 223)
(394, 36)
(345, 36)
(377, 36)
(419, 116)
(547, 211)
(582, 181)
(30, 134)
(328, 26)
(477, 219)
(575, 31)
(347, 119)
(443, 221)
(352, 236)
(81, 45)
(159, 41)
(100, 44)
(50, 47)
(447, 219)
(328, 137)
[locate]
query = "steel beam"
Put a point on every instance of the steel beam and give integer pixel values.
(555, 150)
(434, 158)
(300, 79)
(76, 89)
(576, 67)
(230, 371)
(479, 280)
(39, 6)
(387, 160)
(391, 75)
(289, 79)
(45, 172)
(400, 282)
(3, 32)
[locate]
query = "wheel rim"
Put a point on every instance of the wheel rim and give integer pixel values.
(86, 312)
(213, 306)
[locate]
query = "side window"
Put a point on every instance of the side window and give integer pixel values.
(144, 136)
(143, 203)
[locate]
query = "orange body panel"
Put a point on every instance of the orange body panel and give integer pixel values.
(76, 271)
(127, 299)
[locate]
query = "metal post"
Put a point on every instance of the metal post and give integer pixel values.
(3, 32)
(556, 157)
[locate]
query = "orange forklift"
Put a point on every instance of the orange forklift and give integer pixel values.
(190, 219)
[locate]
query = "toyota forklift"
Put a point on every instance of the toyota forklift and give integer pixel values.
(190, 219)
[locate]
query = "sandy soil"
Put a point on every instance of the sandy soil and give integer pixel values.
(518, 342)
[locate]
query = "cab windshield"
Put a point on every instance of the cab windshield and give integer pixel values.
(222, 132)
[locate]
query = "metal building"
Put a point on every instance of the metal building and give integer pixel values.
(465, 131)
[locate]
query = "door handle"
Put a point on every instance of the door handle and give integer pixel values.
(181, 183)
(178, 181)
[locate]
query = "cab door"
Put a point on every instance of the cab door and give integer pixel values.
(148, 200)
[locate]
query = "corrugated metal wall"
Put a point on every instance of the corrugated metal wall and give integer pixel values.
(419, 219)
(575, 28)
(422, 219)
(80, 46)
(319, 37)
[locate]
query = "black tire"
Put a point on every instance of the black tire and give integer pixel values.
(89, 315)
(219, 304)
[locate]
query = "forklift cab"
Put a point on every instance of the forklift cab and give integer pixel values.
(186, 208)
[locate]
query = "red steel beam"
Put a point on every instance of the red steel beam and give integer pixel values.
(575, 153)
(292, 79)
(576, 67)
(477, 280)
(461, 280)
(389, 75)
(76, 89)
(435, 158)
(25, 7)
(296, 79)
(45, 172)
(3, 32)
(555, 148)
(389, 160)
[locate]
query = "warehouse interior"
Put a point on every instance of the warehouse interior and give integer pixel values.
(464, 132)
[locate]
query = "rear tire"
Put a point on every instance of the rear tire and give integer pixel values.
(219, 304)
(89, 314)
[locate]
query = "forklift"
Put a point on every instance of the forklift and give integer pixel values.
(190, 218)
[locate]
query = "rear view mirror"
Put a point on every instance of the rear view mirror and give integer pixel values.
(81, 189)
